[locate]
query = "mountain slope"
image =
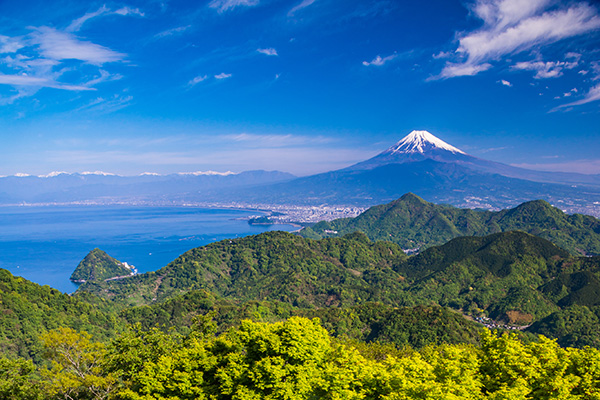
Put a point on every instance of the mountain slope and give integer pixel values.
(270, 266)
(439, 172)
(421, 145)
(97, 265)
(504, 275)
(413, 222)
(28, 310)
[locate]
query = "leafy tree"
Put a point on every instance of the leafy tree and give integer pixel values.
(76, 366)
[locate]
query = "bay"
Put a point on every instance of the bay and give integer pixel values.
(45, 244)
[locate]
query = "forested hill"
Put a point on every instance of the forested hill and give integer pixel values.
(414, 223)
(274, 266)
(97, 265)
(513, 277)
(29, 310)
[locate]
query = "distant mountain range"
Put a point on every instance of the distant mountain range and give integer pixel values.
(437, 171)
(147, 188)
(420, 163)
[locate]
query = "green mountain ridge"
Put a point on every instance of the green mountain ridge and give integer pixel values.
(414, 223)
(509, 276)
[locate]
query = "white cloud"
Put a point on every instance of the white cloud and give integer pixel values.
(506, 83)
(105, 76)
(25, 80)
(543, 69)
(304, 4)
(513, 26)
(268, 52)
(57, 45)
(129, 11)
(592, 95)
(10, 45)
(226, 5)
(78, 23)
(172, 32)
(197, 80)
(379, 61)
(223, 75)
(452, 70)
(104, 105)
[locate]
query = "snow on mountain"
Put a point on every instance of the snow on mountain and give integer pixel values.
(421, 142)
(102, 173)
(197, 173)
(53, 174)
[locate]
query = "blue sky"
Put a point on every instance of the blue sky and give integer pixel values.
(302, 86)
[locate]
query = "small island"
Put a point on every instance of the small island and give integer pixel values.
(99, 266)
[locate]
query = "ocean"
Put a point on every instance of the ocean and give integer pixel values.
(45, 244)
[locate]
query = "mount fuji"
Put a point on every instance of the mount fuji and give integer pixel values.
(422, 145)
(439, 172)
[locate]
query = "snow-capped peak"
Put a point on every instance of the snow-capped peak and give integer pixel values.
(420, 142)
(53, 174)
(101, 173)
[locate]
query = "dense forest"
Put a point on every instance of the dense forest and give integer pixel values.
(278, 316)
(296, 359)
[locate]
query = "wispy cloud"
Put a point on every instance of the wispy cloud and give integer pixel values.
(505, 83)
(197, 80)
(268, 52)
(592, 95)
(277, 141)
(57, 45)
(513, 26)
(78, 23)
(24, 80)
(106, 105)
(303, 4)
(223, 75)
(124, 11)
(578, 166)
(172, 32)
(10, 45)
(549, 69)
(226, 5)
(379, 61)
(105, 76)
(129, 11)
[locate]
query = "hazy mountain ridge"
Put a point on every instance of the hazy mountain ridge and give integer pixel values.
(413, 223)
(149, 188)
(419, 163)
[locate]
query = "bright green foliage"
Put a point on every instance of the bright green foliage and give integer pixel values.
(414, 223)
(76, 366)
(296, 359)
(18, 380)
(98, 265)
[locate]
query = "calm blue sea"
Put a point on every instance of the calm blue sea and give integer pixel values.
(45, 244)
